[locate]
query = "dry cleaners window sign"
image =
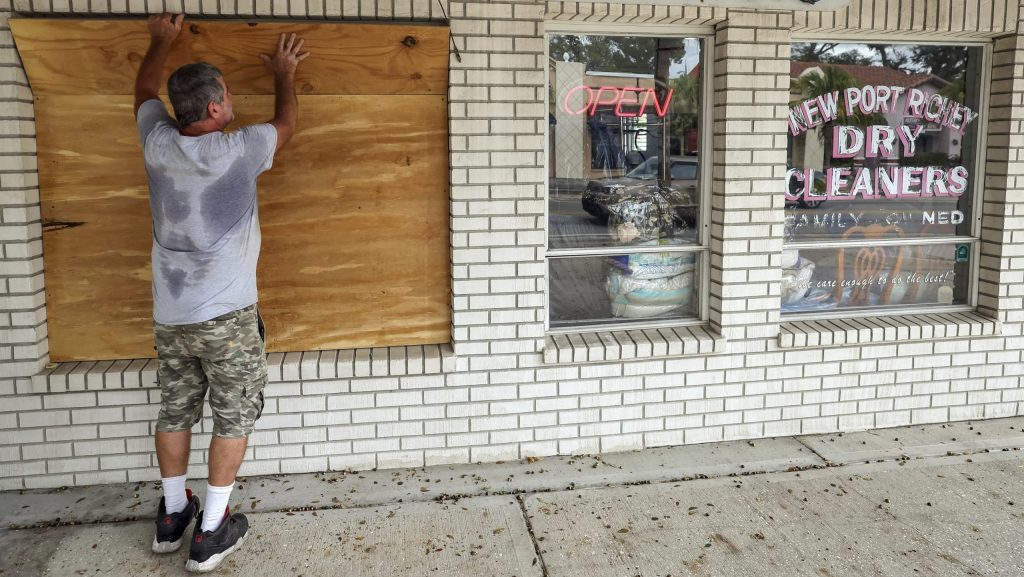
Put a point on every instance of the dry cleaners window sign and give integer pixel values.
(879, 188)
(881, 141)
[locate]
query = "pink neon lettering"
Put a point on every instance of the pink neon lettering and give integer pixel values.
(618, 97)
(615, 94)
(622, 100)
(565, 103)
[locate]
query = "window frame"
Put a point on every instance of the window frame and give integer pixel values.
(705, 157)
(977, 202)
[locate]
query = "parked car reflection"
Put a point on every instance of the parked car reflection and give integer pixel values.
(680, 193)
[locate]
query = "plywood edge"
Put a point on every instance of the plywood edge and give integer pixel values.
(102, 56)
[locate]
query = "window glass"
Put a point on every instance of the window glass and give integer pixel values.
(623, 139)
(882, 150)
(623, 287)
(623, 173)
(868, 277)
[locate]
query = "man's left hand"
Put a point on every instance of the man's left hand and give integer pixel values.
(164, 28)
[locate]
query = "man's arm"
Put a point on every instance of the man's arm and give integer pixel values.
(163, 29)
(283, 64)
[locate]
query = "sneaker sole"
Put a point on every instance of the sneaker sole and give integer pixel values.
(214, 561)
(166, 546)
(172, 546)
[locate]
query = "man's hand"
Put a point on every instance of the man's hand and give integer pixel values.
(283, 64)
(287, 58)
(164, 28)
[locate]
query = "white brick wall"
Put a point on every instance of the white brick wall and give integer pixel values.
(494, 393)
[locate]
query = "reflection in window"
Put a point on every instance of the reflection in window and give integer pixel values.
(623, 171)
(881, 153)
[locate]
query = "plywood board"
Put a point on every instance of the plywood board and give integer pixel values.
(355, 225)
(97, 229)
(354, 217)
(64, 56)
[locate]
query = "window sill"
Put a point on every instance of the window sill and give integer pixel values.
(834, 332)
(632, 344)
(282, 367)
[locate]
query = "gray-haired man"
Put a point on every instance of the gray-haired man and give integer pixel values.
(206, 241)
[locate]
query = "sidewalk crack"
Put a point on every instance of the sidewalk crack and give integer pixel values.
(811, 449)
(533, 537)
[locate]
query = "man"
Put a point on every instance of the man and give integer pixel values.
(206, 241)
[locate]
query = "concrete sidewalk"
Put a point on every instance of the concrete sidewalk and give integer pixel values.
(939, 500)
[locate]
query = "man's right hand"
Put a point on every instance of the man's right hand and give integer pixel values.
(287, 58)
(164, 28)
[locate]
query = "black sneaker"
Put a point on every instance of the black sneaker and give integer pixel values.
(171, 527)
(210, 548)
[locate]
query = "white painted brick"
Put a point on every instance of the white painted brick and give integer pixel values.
(46, 451)
(467, 410)
(557, 404)
(445, 396)
(715, 419)
(800, 412)
(781, 428)
(104, 447)
(936, 415)
(422, 442)
(494, 423)
(579, 446)
(399, 399)
(967, 412)
(1000, 410)
(49, 481)
(467, 439)
(400, 459)
(120, 398)
(819, 425)
(704, 435)
(103, 415)
(140, 444)
(447, 456)
(44, 418)
(72, 465)
(642, 425)
(108, 462)
(856, 422)
(493, 393)
(538, 420)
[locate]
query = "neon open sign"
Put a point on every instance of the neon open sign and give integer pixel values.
(585, 100)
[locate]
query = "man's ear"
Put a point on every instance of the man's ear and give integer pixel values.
(213, 109)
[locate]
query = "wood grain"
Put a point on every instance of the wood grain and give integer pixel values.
(71, 56)
(354, 217)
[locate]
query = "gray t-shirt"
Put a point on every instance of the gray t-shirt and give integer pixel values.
(206, 231)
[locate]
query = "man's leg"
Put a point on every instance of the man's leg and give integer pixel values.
(237, 377)
(225, 458)
(182, 389)
(235, 365)
(172, 451)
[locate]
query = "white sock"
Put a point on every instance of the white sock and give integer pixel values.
(216, 505)
(174, 493)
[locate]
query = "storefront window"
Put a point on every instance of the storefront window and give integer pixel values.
(624, 173)
(880, 191)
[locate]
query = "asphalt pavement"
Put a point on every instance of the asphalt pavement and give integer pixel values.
(943, 500)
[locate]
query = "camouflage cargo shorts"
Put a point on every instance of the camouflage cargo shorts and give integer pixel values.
(226, 356)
